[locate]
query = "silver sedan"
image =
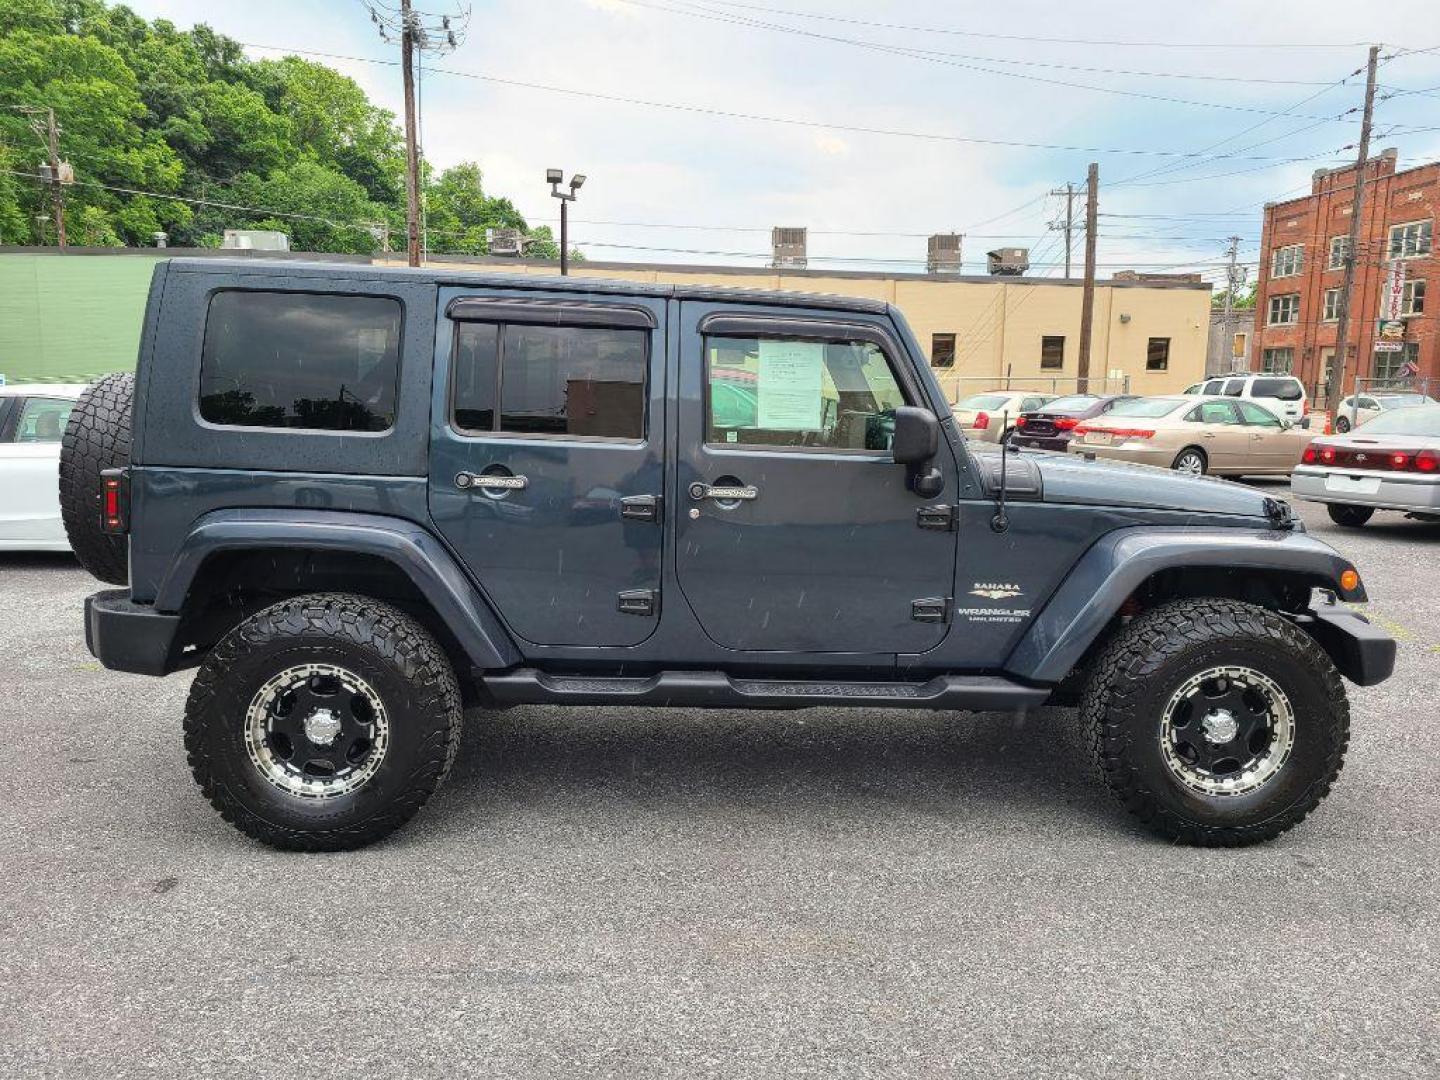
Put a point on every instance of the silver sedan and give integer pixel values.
(1392, 463)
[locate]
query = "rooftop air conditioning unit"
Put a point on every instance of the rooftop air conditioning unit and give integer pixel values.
(788, 249)
(1011, 261)
(255, 240)
(942, 254)
(503, 241)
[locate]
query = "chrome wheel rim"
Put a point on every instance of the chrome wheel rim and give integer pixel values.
(317, 731)
(1227, 731)
(1190, 464)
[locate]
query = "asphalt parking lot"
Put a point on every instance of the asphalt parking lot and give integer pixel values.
(674, 893)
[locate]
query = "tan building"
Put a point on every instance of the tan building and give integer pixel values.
(979, 330)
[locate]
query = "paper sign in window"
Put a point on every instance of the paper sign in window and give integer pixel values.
(790, 385)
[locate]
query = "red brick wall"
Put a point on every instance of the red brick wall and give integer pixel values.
(1391, 198)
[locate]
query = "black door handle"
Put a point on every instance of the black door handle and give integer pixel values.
(640, 508)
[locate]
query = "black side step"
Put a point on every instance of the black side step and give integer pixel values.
(715, 689)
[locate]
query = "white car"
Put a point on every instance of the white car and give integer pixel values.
(1354, 411)
(1284, 395)
(1392, 463)
(986, 417)
(32, 422)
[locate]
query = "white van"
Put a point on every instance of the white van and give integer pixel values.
(1284, 395)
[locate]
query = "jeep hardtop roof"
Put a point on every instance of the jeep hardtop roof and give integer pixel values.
(536, 282)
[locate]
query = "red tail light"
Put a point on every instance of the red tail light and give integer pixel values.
(1344, 457)
(1021, 422)
(115, 501)
(1310, 455)
(1065, 423)
(1118, 433)
(1427, 461)
(981, 421)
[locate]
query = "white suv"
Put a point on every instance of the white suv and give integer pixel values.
(1284, 395)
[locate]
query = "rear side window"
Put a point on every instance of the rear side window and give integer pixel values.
(308, 361)
(550, 380)
(775, 392)
(42, 420)
(1281, 389)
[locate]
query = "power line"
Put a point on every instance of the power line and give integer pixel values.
(1047, 40)
(702, 13)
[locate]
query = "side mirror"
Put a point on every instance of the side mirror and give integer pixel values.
(917, 435)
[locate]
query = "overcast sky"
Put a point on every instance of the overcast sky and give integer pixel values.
(826, 62)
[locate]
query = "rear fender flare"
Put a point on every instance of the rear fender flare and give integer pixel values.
(404, 544)
(1121, 561)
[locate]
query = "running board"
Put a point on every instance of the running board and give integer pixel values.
(715, 689)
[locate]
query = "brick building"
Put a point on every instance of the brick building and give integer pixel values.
(1302, 267)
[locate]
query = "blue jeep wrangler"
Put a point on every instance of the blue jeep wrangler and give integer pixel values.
(361, 500)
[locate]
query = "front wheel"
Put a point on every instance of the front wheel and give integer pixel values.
(1351, 517)
(323, 722)
(1190, 461)
(1216, 722)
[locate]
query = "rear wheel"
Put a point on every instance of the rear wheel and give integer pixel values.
(97, 437)
(1191, 460)
(1350, 516)
(323, 723)
(1216, 722)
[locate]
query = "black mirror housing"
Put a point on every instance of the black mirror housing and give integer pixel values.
(917, 435)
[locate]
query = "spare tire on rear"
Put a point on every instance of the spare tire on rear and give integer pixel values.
(96, 438)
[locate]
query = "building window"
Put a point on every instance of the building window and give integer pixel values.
(1332, 305)
(1157, 354)
(300, 360)
(1413, 300)
(942, 350)
(1286, 261)
(1339, 246)
(1410, 240)
(1393, 369)
(1240, 346)
(550, 380)
(1052, 353)
(1277, 361)
(1285, 309)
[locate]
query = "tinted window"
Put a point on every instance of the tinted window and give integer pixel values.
(1030, 404)
(1254, 414)
(43, 420)
(984, 401)
(1052, 353)
(1234, 388)
(1281, 389)
(550, 380)
(942, 350)
(1074, 403)
(779, 392)
(1213, 412)
(1157, 354)
(301, 360)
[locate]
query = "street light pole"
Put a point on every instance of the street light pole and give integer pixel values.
(555, 177)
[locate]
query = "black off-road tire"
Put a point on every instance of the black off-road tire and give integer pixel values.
(386, 647)
(97, 437)
(1134, 678)
(1352, 517)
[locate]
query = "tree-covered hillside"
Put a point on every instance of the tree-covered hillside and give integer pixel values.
(178, 131)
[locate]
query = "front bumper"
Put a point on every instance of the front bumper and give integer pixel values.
(126, 636)
(1381, 491)
(1364, 654)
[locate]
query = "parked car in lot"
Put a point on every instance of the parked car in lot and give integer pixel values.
(1357, 410)
(32, 423)
(353, 534)
(1053, 425)
(1392, 463)
(987, 417)
(1283, 395)
(1189, 435)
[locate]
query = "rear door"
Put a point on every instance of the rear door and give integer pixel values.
(796, 530)
(547, 458)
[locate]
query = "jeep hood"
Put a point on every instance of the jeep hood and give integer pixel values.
(1069, 478)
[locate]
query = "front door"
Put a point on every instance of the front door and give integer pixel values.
(1220, 435)
(795, 529)
(547, 459)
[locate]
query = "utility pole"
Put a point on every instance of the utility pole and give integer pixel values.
(57, 192)
(1087, 300)
(412, 151)
(1069, 226)
(1335, 380)
(418, 32)
(1234, 278)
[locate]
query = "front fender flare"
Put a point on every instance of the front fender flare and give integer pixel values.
(404, 544)
(1119, 562)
